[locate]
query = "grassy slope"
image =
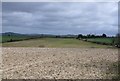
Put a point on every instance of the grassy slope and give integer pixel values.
(52, 42)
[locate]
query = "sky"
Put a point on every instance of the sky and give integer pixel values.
(60, 17)
(60, 0)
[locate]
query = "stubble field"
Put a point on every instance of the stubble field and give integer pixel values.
(59, 63)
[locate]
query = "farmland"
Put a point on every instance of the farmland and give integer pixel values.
(13, 38)
(106, 40)
(10, 39)
(42, 58)
(52, 42)
(102, 40)
(59, 63)
(76, 56)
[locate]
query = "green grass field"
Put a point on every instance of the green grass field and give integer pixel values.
(52, 42)
(8, 38)
(102, 40)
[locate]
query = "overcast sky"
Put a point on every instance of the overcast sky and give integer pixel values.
(60, 17)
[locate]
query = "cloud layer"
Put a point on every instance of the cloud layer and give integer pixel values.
(60, 17)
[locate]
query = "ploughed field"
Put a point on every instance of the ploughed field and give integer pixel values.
(59, 63)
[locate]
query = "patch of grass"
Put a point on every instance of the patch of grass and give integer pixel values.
(12, 38)
(103, 40)
(53, 42)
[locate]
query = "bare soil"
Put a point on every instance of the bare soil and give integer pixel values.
(59, 63)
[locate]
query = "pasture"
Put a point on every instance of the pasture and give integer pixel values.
(102, 40)
(53, 42)
(13, 38)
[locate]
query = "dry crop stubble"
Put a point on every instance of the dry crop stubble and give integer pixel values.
(59, 63)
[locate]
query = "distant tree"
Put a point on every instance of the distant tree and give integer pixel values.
(92, 36)
(88, 36)
(57, 36)
(79, 36)
(104, 35)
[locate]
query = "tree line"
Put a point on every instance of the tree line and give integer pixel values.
(91, 36)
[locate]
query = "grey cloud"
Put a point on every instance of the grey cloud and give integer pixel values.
(60, 17)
